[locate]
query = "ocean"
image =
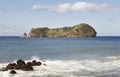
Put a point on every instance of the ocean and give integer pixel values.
(64, 57)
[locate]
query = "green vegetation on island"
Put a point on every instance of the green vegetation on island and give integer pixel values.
(80, 30)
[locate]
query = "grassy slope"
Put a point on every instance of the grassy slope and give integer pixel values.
(80, 30)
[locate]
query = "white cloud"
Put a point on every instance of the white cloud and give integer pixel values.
(37, 7)
(62, 7)
(84, 7)
(78, 6)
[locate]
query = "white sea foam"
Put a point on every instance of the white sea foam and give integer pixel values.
(69, 68)
(112, 57)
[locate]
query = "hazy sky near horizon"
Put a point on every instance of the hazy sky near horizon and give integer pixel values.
(19, 16)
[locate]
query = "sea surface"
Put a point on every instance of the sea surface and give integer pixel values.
(64, 57)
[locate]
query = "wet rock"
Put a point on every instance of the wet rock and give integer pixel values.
(3, 69)
(27, 68)
(45, 64)
(34, 63)
(20, 63)
(17, 67)
(13, 72)
(22, 66)
(11, 66)
(29, 63)
(38, 63)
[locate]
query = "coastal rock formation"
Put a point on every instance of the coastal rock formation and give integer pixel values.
(80, 30)
(34, 63)
(20, 62)
(11, 66)
(21, 65)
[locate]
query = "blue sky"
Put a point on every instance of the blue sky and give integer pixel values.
(19, 16)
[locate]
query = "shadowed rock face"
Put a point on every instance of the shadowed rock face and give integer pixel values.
(80, 30)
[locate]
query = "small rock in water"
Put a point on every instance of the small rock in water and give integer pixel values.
(38, 63)
(23, 66)
(20, 62)
(45, 64)
(3, 69)
(34, 63)
(13, 72)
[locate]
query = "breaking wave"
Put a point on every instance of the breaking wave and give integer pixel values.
(108, 66)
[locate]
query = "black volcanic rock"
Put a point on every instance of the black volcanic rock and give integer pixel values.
(27, 68)
(11, 66)
(13, 72)
(21, 65)
(34, 63)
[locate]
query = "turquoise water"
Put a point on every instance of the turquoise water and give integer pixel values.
(92, 56)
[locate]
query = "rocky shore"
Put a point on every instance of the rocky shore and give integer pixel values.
(21, 65)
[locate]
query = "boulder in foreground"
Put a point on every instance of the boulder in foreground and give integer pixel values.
(21, 65)
(13, 72)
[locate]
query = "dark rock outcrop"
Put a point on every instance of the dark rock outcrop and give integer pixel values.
(13, 72)
(21, 65)
(11, 66)
(3, 69)
(34, 63)
(20, 62)
(26, 68)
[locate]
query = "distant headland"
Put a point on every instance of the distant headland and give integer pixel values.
(80, 30)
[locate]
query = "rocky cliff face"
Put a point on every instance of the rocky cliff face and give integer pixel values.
(80, 30)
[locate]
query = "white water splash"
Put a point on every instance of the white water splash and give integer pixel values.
(69, 68)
